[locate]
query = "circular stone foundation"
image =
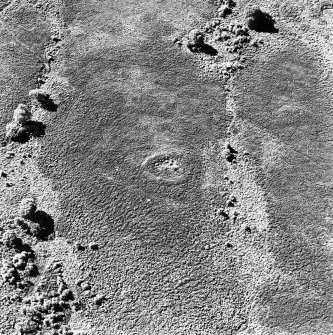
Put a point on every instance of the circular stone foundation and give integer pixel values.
(165, 167)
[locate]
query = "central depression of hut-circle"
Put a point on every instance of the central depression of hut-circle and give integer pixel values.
(167, 167)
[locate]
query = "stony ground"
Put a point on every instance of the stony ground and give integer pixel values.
(176, 175)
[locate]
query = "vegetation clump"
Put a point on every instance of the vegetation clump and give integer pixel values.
(39, 95)
(28, 208)
(224, 10)
(47, 311)
(20, 260)
(22, 115)
(21, 128)
(258, 20)
(37, 223)
(43, 98)
(10, 239)
(196, 40)
(17, 129)
(229, 153)
(93, 245)
(9, 273)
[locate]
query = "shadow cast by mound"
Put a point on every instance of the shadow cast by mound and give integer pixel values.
(231, 149)
(22, 134)
(45, 230)
(205, 48)
(44, 99)
(34, 272)
(35, 128)
(262, 22)
(49, 105)
(19, 134)
(209, 50)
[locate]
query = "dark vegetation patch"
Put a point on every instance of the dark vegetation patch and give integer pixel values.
(17, 133)
(42, 225)
(23, 133)
(196, 43)
(259, 21)
(22, 128)
(44, 99)
(35, 128)
(18, 236)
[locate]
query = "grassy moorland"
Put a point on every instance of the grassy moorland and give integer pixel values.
(283, 96)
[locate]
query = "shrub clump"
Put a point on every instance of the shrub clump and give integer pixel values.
(257, 20)
(39, 95)
(229, 153)
(43, 98)
(10, 239)
(17, 133)
(20, 260)
(18, 129)
(93, 245)
(9, 273)
(196, 40)
(224, 10)
(28, 208)
(22, 114)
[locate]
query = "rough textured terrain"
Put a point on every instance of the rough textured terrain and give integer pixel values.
(169, 171)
